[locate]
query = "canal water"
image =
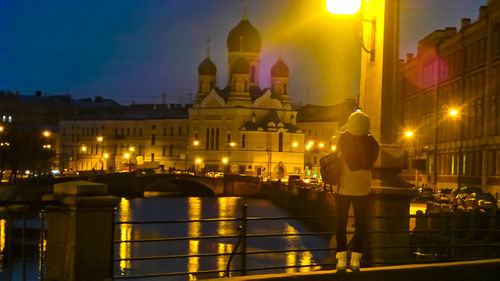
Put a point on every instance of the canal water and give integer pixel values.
(174, 209)
(196, 208)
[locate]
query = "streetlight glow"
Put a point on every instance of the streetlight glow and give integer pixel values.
(46, 134)
(409, 134)
(131, 149)
(1, 128)
(343, 7)
(99, 139)
(232, 144)
(126, 155)
(198, 160)
(225, 160)
(196, 142)
(295, 144)
(106, 156)
(84, 148)
(453, 112)
(321, 145)
(334, 147)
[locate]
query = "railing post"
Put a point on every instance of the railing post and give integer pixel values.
(453, 235)
(243, 233)
(79, 231)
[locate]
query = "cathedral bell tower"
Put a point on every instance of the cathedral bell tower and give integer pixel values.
(244, 41)
(279, 82)
(207, 73)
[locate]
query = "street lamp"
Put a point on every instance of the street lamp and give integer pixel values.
(453, 112)
(127, 156)
(196, 143)
(100, 139)
(46, 134)
(343, 7)
(409, 134)
(1, 129)
(131, 149)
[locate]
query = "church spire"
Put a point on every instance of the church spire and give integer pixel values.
(208, 48)
(245, 17)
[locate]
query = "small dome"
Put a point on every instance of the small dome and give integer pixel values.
(252, 41)
(280, 69)
(240, 66)
(207, 67)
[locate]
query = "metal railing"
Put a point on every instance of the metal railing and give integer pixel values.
(18, 235)
(425, 244)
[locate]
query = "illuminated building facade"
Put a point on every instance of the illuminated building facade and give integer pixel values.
(448, 98)
(242, 128)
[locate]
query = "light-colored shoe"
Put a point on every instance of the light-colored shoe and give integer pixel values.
(341, 261)
(355, 261)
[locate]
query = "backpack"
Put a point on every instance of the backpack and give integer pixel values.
(330, 168)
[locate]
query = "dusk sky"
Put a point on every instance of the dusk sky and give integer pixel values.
(135, 50)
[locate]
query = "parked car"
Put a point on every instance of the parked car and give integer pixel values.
(483, 201)
(425, 193)
(443, 195)
(294, 180)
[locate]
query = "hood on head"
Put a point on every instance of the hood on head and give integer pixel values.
(358, 124)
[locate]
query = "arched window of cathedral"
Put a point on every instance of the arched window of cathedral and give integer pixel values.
(243, 141)
(212, 139)
(252, 74)
(280, 143)
(217, 139)
(207, 143)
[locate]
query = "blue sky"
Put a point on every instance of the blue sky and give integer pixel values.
(135, 50)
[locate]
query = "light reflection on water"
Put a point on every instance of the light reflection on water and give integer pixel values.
(194, 211)
(195, 208)
(125, 234)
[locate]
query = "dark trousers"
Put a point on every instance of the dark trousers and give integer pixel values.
(360, 204)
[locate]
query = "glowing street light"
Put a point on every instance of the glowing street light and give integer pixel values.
(196, 142)
(100, 139)
(106, 156)
(232, 144)
(453, 112)
(46, 134)
(131, 149)
(84, 148)
(343, 7)
(321, 145)
(126, 155)
(333, 147)
(198, 160)
(295, 144)
(1, 129)
(409, 134)
(225, 160)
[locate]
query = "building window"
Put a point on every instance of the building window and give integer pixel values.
(140, 132)
(116, 132)
(180, 131)
(134, 131)
(243, 141)
(212, 139)
(228, 139)
(164, 131)
(153, 127)
(207, 143)
(217, 139)
(153, 139)
(172, 131)
(163, 148)
(171, 150)
(152, 157)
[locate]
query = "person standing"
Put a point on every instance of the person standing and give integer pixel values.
(358, 150)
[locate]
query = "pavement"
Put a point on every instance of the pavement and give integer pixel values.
(481, 270)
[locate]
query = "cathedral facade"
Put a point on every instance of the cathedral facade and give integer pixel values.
(243, 128)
